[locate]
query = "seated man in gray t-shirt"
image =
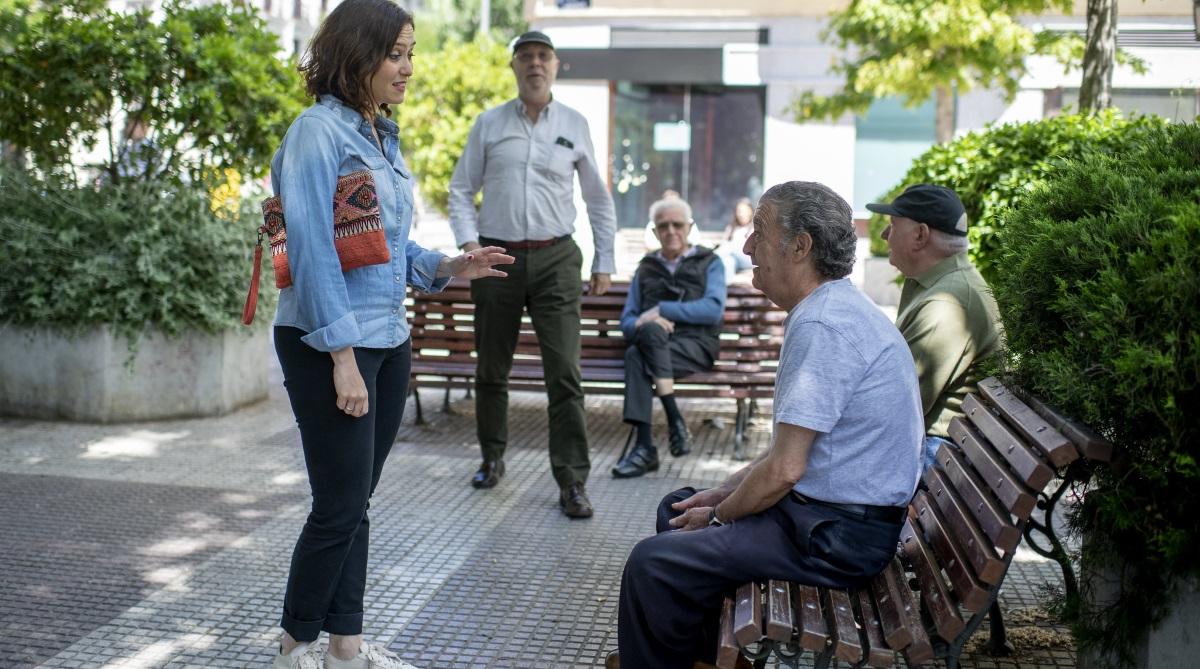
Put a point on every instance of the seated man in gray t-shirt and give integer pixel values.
(824, 504)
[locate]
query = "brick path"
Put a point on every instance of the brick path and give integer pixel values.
(165, 544)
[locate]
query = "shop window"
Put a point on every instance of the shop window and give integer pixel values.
(703, 142)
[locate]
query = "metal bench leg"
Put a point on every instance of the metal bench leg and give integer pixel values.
(821, 660)
(739, 430)
(446, 401)
(417, 401)
(467, 396)
(998, 645)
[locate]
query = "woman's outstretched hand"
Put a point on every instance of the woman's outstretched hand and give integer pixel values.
(476, 263)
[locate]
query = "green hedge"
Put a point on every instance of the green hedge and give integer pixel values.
(138, 254)
(1100, 295)
(995, 167)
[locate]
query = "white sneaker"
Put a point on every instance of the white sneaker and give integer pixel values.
(305, 656)
(369, 657)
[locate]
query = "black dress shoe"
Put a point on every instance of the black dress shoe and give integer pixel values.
(640, 460)
(489, 474)
(574, 501)
(681, 440)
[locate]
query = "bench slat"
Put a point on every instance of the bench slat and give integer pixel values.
(987, 565)
(814, 634)
(779, 611)
(886, 591)
(878, 654)
(1012, 493)
(993, 520)
(970, 592)
(727, 648)
(747, 614)
(1058, 449)
(920, 650)
(935, 595)
(846, 644)
(1027, 465)
(1091, 445)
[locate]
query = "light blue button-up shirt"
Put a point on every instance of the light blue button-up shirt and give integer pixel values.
(363, 307)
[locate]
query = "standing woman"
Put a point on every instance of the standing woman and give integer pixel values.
(342, 337)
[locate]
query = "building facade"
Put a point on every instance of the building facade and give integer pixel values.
(693, 95)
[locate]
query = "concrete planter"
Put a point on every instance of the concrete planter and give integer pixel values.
(879, 281)
(1174, 643)
(97, 376)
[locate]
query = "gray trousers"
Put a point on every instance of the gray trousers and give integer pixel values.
(654, 354)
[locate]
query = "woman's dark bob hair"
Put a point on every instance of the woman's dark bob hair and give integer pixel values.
(348, 47)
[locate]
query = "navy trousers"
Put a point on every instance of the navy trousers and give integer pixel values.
(344, 457)
(674, 582)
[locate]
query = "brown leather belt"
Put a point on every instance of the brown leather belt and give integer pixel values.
(523, 244)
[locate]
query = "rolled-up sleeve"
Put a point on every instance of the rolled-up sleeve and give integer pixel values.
(709, 309)
(464, 184)
(308, 178)
(422, 268)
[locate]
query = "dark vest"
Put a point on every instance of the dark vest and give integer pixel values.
(687, 283)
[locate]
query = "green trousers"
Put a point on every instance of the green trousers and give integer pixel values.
(547, 282)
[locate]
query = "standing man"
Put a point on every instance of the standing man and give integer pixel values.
(823, 505)
(947, 313)
(524, 155)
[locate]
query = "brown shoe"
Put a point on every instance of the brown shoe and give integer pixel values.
(574, 502)
(489, 474)
(613, 661)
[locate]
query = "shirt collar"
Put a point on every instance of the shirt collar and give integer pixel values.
(383, 124)
(691, 251)
(521, 107)
(945, 266)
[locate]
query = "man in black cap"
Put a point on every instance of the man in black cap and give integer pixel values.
(947, 313)
(524, 155)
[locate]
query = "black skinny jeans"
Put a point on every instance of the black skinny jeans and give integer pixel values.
(344, 457)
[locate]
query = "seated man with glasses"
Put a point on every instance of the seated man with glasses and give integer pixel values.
(672, 321)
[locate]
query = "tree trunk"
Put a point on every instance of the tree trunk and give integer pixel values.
(1099, 56)
(944, 115)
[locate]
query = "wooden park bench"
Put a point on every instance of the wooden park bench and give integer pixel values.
(964, 523)
(443, 345)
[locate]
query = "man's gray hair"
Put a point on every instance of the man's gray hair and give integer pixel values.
(807, 206)
(671, 203)
(947, 244)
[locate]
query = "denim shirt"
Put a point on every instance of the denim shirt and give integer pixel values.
(363, 307)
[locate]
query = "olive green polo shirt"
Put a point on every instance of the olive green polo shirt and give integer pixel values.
(950, 321)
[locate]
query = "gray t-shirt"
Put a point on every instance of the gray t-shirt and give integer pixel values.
(846, 373)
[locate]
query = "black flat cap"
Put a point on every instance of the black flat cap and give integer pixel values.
(532, 37)
(935, 206)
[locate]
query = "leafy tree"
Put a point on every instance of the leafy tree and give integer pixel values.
(448, 92)
(206, 81)
(459, 20)
(919, 49)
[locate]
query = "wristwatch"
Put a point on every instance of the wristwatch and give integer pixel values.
(712, 518)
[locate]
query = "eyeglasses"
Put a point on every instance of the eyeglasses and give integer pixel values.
(678, 225)
(530, 56)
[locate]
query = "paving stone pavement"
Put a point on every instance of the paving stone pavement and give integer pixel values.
(165, 544)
